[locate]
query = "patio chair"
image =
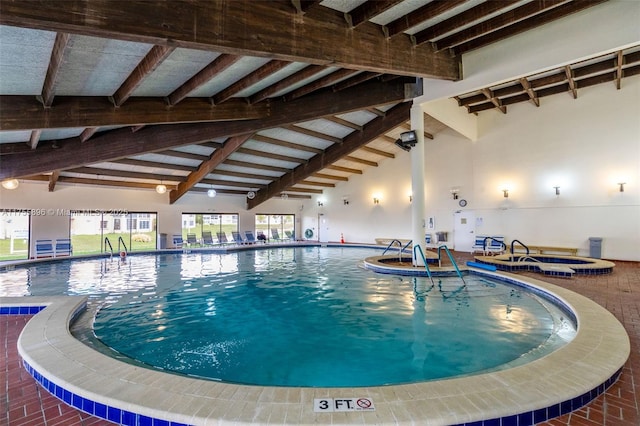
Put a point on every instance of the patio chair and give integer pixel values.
(63, 247)
(250, 238)
(275, 235)
(289, 235)
(192, 240)
(495, 245)
(222, 238)
(237, 238)
(478, 245)
(44, 248)
(262, 237)
(207, 238)
(177, 241)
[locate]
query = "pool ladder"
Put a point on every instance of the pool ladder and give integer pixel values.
(401, 249)
(120, 243)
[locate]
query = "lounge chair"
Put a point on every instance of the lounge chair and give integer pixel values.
(207, 238)
(222, 238)
(262, 237)
(250, 238)
(275, 235)
(289, 235)
(192, 240)
(237, 238)
(177, 241)
(495, 245)
(44, 248)
(63, 247)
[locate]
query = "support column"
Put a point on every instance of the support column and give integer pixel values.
(417, 182)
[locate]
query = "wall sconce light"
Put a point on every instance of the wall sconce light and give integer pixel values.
(320, 204)
(557, 188)
(345, 201)
(411, 198)
(10, 183)
(284, 196)
(622, 184)
(376, 200)
(505, 193)
(161, 189)
(454, 193)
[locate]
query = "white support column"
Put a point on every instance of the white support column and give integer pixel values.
(417, 182)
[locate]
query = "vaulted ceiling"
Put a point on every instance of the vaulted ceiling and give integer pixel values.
(273, 97)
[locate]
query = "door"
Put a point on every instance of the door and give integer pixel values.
(323, 228)
(464, 230)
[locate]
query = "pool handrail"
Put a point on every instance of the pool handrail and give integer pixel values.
(120, 240)
(455, 265)
(484, 243)
(424, 260)
(108, 243)
(522, 244)
(390, 244)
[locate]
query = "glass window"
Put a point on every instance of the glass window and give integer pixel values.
(102, 232)
(275, 226)
(196, 223)
(14, 234)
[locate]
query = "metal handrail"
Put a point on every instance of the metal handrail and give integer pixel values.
(108, 243)
(484, 243)
(522, 244)
(120, 240)
(424, 260)
(455, 265)
(390, 244)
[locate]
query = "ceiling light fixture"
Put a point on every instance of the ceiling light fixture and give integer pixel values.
(211, 193)
(10, 183)
(251, 194)
(161, 189)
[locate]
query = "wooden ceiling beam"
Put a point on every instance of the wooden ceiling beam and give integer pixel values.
(53, 179)
(155, 164)
(221, 182)
(214, 68)
(230, 146)
(34, 139)
(359, 160)
(99, 182)
(281, 85)
(357, 79)
(524, 25)
(278, 142)
(344, 169)
(241, 175)
(330, 177)
(252, 166)
(182, 154)
(572, 85)
(367, 10)
(619, 63)
(378, 152)
(495, 101)
(151, 61)
(461, 20)
(313, 133)
(25, 113)
(293, 188)
(532, 94)
(325, 81)
(343, 122)
(302, 6)
(273, 156)
(87, 133)
(57, 55)
(320, 38)
(420, 15)
(98, 171)
(121, 143)
(316, 183)
(352, 142)
(254, 77)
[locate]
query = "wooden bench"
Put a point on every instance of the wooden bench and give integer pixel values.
(546, 250)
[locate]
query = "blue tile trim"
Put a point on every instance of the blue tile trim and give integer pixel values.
(544, 414)
(20, 310)
(94, 408)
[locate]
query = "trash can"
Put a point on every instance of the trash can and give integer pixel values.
(162, 241)
(595, 247)
(441, 236)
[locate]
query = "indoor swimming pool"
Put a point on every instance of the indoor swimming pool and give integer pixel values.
(267, 319)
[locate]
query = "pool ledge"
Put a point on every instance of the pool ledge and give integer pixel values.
(548, 387)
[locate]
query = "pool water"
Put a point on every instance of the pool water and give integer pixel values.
(310, 316)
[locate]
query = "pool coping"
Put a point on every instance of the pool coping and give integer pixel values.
(545, 388)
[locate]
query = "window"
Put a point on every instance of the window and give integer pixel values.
(14, 234)
(196, 223)
(269, 225)
(102, 232)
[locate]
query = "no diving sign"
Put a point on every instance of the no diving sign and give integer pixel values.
(330, 405)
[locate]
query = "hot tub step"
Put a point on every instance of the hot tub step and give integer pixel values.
(556, 271)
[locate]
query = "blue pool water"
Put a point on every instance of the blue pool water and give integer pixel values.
(303, 316)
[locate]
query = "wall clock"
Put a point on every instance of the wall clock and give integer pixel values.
(462, 203)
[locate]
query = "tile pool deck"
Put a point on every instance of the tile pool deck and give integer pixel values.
(27, 403)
